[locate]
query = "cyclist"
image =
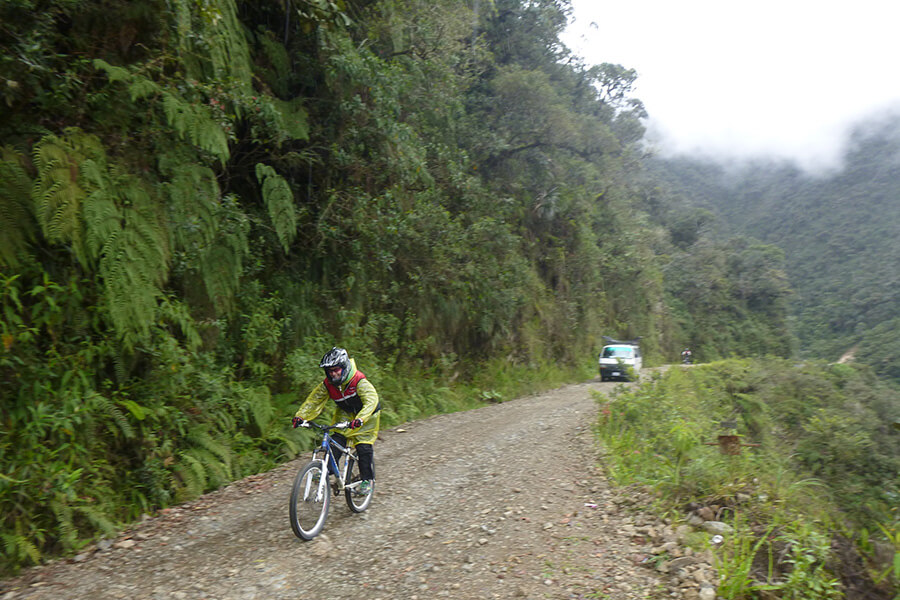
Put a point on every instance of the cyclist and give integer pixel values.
(686, 355)
(357, 401)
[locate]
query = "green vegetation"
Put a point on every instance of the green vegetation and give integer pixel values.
(819, 492)
(198, 198)
(838, 231)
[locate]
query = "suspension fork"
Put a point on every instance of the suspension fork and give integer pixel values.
(326, 470)
(321, 487)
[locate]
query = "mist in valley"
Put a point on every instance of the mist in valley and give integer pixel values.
(837, 222)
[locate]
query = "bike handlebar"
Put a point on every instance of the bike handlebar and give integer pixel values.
(340, 425)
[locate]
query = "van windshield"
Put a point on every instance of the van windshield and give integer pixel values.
(618, 352)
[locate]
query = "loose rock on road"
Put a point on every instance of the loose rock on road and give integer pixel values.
(500, 502)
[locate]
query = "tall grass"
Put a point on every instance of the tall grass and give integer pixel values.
(820, 433)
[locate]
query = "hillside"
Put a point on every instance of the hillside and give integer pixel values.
(838, 232)
(198, 199)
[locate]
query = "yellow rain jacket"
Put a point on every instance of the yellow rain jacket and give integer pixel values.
(356, 398)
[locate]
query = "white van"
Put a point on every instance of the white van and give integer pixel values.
(620, 360)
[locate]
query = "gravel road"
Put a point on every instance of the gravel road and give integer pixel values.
(505, 501)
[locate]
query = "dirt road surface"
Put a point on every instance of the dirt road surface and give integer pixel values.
(505, 501)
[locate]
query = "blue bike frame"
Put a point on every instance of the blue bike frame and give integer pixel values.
(312, 489)
(327, 447)
(330, 460)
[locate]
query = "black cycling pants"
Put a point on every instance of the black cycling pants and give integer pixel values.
(366, 454)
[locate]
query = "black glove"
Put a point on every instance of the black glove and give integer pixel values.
(297, 422)
(355, 423)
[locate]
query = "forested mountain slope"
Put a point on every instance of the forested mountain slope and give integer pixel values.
(839, 232)
(198, 199)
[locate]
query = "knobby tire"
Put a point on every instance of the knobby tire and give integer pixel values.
(308, 511)
(357, 503)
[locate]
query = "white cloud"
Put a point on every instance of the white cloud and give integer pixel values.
(781, 77)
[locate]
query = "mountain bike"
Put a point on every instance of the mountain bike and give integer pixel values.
(312, 490)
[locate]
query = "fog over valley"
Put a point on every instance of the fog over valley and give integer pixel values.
(739, 80)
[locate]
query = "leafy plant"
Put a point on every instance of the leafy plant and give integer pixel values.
(891, 572)
(652, 436)
(198, 199)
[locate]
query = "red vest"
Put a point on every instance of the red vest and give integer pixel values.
(348, 400)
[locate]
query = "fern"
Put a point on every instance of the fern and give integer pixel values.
(290, 447)
(196, 124)
(56, 193)
(120, 367)
(141, 87)
(279, 76)
(191, 477)
(97, 518)
(262, 410)
(138, 86)
(228, 51)
(222, 262)
(134, 264)
(101, 214)
(65, 524)
(18, 548)
(210, 231)
(178, 314)
(194, 197)
(206, 464)
(114, 73)
(211, 42)
(291, 118)
(219, 274)
(16, 214)
(105, 406)
(256, 404)
(180, 11)
(125, 237)
(217, 473)
(279, 202)
(201, 439)
(114, 226)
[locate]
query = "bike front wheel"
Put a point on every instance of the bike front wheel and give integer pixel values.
(356, 500)
(310, 498)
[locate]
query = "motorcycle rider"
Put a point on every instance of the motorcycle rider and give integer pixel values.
(357, 402)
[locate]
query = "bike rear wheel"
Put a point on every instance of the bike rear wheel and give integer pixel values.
(357, 501)
(310, 498)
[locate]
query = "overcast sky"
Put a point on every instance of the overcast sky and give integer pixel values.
(739, 78)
